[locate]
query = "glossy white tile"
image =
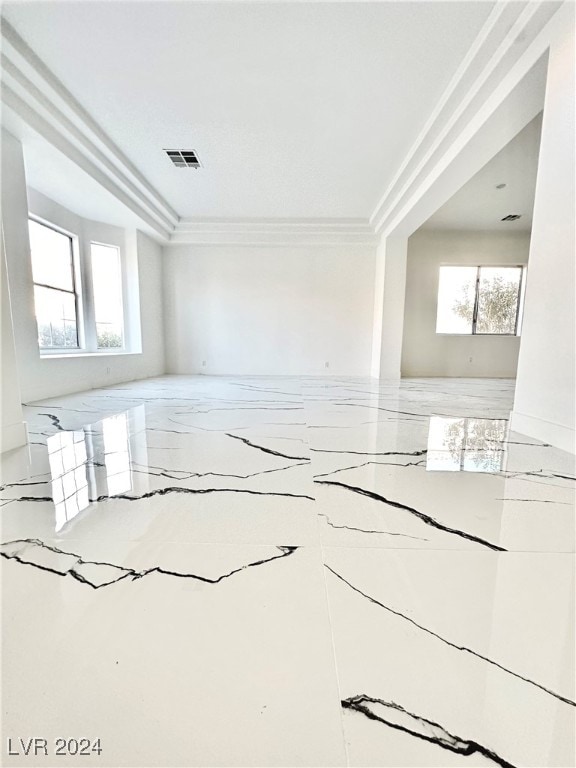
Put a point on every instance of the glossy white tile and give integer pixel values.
(171, 654)
(218, 571)
(454, 658)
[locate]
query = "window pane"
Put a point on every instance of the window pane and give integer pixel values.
(498, 299)
(56, 317)
(456, 293)
(107, 284)
(51, 256)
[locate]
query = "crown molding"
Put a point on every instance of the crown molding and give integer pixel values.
(36, 95)
(294, 232)
(33, 92)
(511, 31)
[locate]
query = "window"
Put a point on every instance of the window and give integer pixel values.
(55, 297)
(78, 292)
(107, 287)
(480, 300)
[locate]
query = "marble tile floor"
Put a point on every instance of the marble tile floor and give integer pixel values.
(215, 571)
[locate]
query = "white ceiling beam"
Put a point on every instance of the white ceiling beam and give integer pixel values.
(507, 34)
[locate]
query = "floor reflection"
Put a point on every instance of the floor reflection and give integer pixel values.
(70, 489)
(466, 445)
(117, 454)
(76, 471)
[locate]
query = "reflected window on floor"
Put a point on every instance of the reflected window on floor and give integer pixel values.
(117, 454)
(466, 444)
(73, 481)
(67, 457)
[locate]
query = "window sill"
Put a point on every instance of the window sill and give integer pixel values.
(72, 355)
(480, 335)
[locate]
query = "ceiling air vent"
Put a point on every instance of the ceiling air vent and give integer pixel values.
(511, 217)
(183, 158)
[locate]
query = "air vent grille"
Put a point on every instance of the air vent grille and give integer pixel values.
(183, 158)
(511, 217)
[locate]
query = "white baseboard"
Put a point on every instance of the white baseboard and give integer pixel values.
(13, 436)
(551, 432)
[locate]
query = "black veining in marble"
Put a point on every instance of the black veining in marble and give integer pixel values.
(251, 408)
(181, 474)
(422, 452)
(192, 428)
(372, 463)
(178, 489)
(172, 431)
(62, 408)
(264, 389)
(34, 498)
(420, 515)
(267, 450)
(22, 483)
(463, 648)
(74, 571)
(388, 410)
(368, 530)
(420, 727)
(535, 501)
(550, 474)
(54, 419)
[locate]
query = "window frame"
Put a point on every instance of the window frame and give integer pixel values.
(76, 288)
(118, 249)
(519, 302)
(81, 261)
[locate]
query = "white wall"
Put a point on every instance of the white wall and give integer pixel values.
(269, 310)
(545, 389)
(389, 293)
(42, 377)
(426, 353)
(13, 432)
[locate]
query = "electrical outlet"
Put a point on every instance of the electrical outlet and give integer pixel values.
(326, 364)
(108, 371)
(203, 363)
(469, 359)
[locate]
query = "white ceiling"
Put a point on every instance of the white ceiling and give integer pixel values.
(295, 109)
(479, 205)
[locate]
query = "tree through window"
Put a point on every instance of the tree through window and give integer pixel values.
(480, 300)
